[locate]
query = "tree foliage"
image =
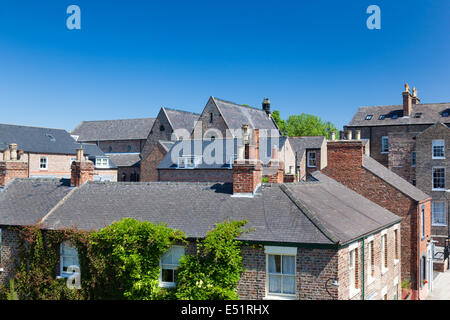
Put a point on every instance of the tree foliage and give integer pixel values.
(121, 261)
(304, 125)
(214, 271)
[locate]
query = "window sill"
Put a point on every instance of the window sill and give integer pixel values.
(276, 297)
(354, 292)
(384, 152)
(384, 270)
(167, 284)
(433, 158)
(396, 261)
(439, 224)
(433, 189)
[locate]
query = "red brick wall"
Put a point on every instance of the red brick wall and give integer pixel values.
(149, 165)
(82, 171)
(344, 166)
(9, 170)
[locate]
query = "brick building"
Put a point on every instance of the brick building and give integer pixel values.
(332, 242)
(170, 125)
(48, 153)
(122, 140)
(348, 165)
(410, 139)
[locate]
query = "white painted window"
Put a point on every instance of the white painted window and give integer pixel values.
(438, 149)
(353, 255)
(281, 274)
(311, 157)
(102, 162)
(384, 253)
(68, 258)
(169, 263)
(189, 162)
(439, 178)
(438, 213)
(384, 144)
(43, 163)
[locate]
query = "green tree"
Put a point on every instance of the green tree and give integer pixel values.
(304, 125)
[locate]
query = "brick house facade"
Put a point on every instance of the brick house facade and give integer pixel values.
(348, 165)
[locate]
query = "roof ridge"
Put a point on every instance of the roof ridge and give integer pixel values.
(311, 216)
(184, 111)
(35, 127)
(239, 105)
(117, 120)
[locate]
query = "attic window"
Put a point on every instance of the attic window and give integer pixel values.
(369, 116)
(381, 117)
(418, 115)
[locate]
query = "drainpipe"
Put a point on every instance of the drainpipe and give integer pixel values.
(363, 273)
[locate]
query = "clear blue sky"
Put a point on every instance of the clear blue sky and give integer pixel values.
(132, 57)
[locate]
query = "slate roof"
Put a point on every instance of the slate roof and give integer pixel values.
(431, 113)
(236, 115)
(299, 144)
(125, 159)
(323, 212)
(225, 150)
(180, 119)
(393, 179)
(26, 201)
(37, 139)
(106, 130)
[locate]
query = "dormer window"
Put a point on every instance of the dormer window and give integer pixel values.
(102, 162)
(418, 115)
(369, 116)
(189, 162)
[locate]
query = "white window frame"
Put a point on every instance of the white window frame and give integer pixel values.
(189, 161)
(63, 273)
(384, 259)
(308, 159)
(280, 251)
(101, 162)
(384, 140)
(432, 179)
(439, 224)
(438, 144)
(166, 284)
(46, 163)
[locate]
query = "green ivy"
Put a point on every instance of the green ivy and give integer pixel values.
(121, 261)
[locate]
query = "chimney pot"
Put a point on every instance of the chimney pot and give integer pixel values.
(13, 151)
(275, 153)
(80, 154)
(358, 134)
(240, 153)
(246, 133)
(349, 134)
(266, 105)
(333, 136)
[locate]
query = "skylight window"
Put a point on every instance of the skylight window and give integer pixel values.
(189, 162)
(381, 117)
(369, 116)
(445, 114)
(394, 116)
(418, 115)
(51, 137)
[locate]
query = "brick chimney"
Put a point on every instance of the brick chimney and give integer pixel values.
(82, 170)
(247, 168)
(407, 101)
(344, 157)
(275, 168)
(12, 166)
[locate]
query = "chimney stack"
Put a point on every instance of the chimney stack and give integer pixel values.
(407, 101)
(275, 168)
(247, 168)
(12, 167)
(266, 105)
(82, 170)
